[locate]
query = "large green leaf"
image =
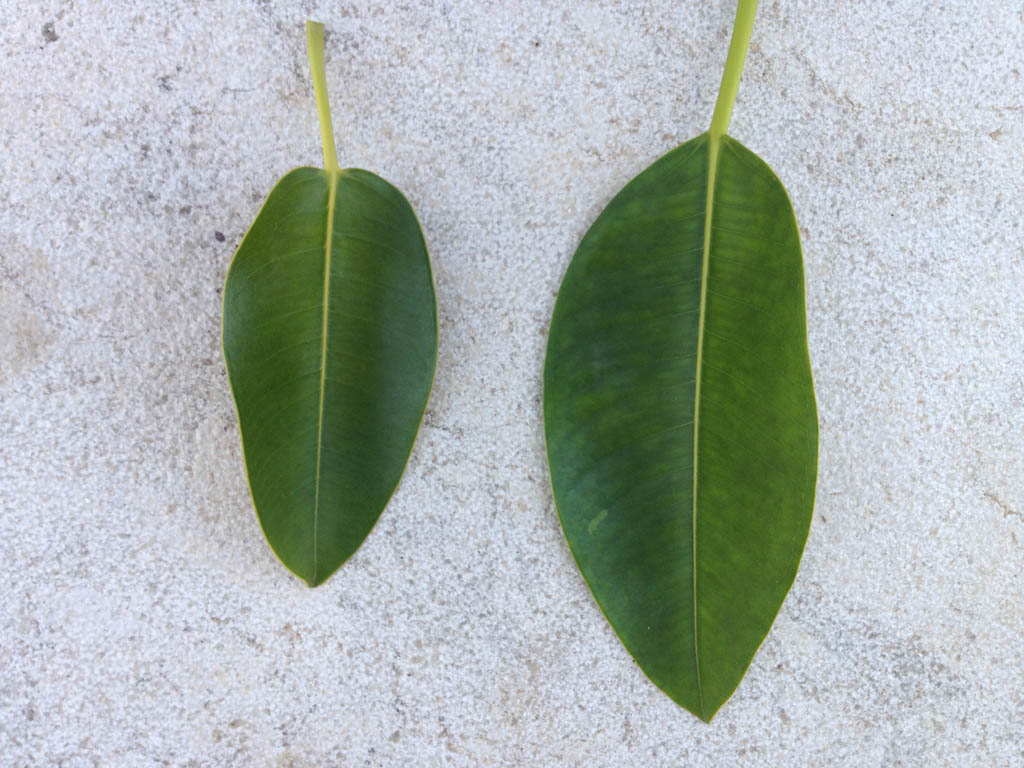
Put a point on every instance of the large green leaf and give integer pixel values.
(679, 413)
(330, 340)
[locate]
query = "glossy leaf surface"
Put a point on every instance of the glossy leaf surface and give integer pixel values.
(686, 507)
(330, 340)
(331, 354)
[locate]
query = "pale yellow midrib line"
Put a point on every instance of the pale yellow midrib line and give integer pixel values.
(331, 197)
(709, 199)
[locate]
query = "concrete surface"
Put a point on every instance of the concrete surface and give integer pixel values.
(143, 620)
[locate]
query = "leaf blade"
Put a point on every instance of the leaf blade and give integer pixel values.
(620, 389)
(332, 372)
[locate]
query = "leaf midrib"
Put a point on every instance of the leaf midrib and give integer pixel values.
(328, 245)
(742, 27)
(713, 145)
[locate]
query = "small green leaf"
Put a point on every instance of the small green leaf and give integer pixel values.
(679, 409)
(330, 341)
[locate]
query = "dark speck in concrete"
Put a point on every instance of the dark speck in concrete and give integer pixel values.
(165, 82)
(1005, 508)
(219, 236)
(49, 35)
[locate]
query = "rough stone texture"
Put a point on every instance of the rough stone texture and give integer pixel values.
(144, 621)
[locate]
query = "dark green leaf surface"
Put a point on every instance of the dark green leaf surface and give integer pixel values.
(330, 338)
(680, 417)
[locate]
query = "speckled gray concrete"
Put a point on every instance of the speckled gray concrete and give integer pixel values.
(144, 621)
